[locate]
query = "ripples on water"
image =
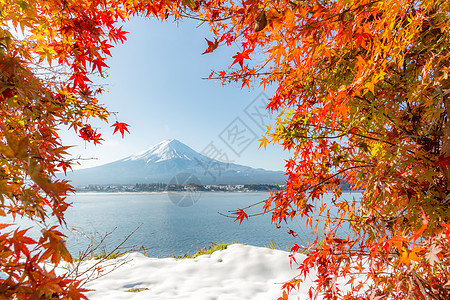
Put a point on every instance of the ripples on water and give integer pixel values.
(166, 229)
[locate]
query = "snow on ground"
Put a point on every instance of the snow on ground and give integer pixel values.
(239, 272)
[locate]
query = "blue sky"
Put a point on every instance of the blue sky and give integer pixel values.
(155, 84)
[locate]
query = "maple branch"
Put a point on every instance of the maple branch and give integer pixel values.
(374, 139)
(249, 74)
(94, 267)
(301, 191)
(186, 15)
(384, 114)
(322, 137)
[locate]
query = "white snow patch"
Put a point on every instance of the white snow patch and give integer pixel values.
(239, 272)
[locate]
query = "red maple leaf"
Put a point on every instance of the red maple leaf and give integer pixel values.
(65, 165)
(90, 135)
(443, 161)
(122, 127)
(215, 14)
(118, 35)
(239, 58)
(79, 79)
(240, 216)
(86, 132)
(99, 64)
(105, 47)
(96, 138)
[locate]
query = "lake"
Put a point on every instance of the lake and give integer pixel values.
(167, 229)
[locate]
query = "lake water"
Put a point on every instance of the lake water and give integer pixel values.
(167, 229)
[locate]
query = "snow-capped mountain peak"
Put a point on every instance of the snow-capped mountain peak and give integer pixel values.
(163, 161)
(166, 150)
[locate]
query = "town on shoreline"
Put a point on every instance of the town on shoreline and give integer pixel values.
(188, 187)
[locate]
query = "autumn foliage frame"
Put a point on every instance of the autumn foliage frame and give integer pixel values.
(362, 96)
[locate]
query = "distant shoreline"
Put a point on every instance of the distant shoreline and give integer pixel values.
(167, 192)
(182, 187)
(161, 193)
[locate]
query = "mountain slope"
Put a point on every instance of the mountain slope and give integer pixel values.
(166, 159)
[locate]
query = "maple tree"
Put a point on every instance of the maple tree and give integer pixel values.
(50, 51)
(363, 95)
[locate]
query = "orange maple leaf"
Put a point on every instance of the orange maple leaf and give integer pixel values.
(211, 46)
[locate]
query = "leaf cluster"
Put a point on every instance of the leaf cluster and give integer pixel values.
(50, 52)
(362, 97)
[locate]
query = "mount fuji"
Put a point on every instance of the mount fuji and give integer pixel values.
(162, 162)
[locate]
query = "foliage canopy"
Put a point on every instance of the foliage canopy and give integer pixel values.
(362, 96)
(49, 50)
